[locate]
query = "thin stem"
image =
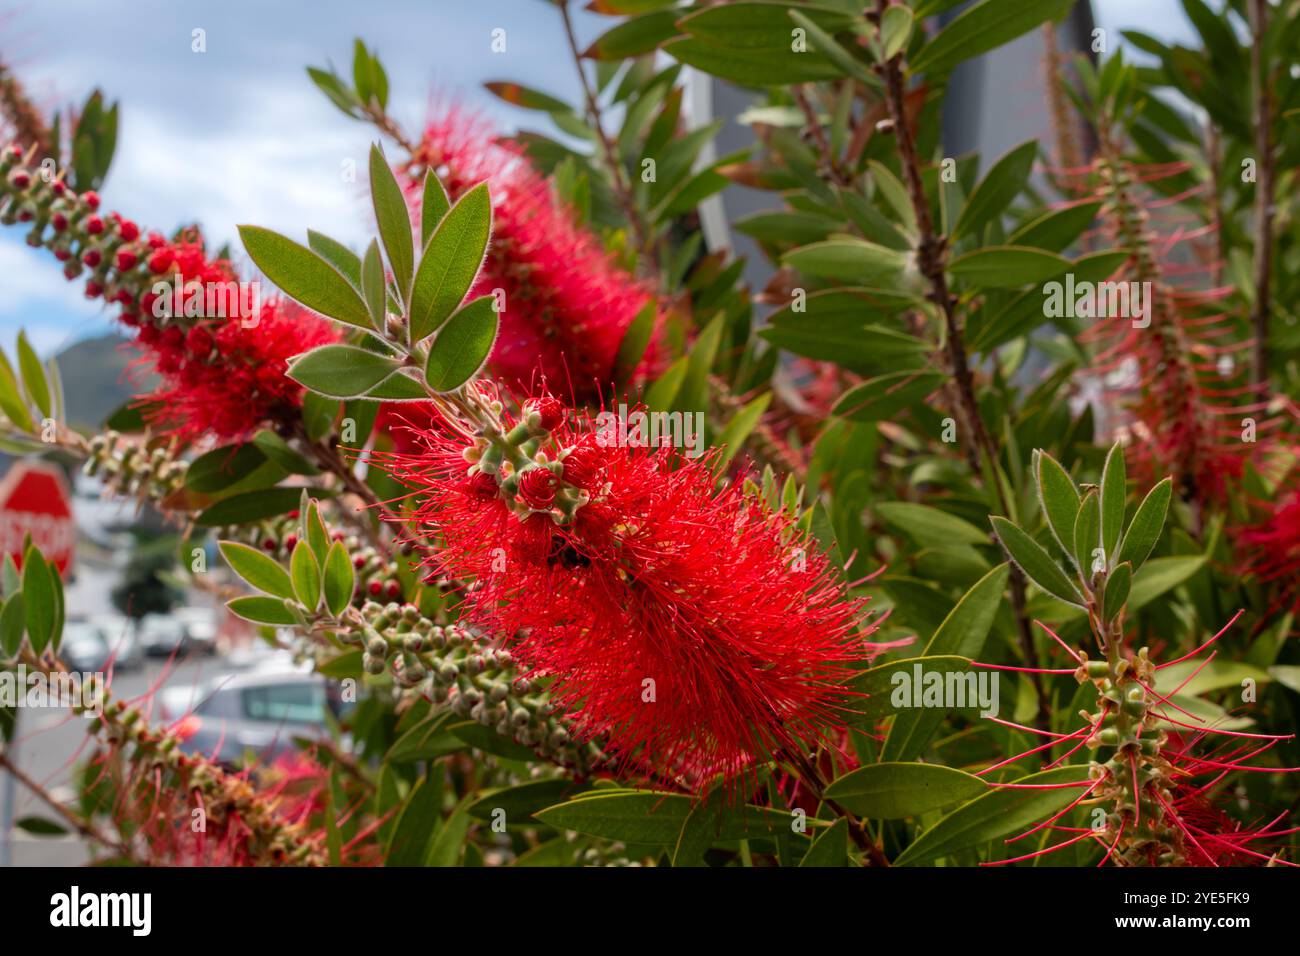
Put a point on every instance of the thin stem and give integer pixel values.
(621, 184)
(1263, 195)
(74, 820)
(932, 251)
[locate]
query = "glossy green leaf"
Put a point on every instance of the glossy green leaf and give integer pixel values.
(1147, 525)
(262, 610)
(393, 219)
(1059, 498)
(1116, 593)
(991, 196)
(1114, 491)
(1007, 267)
(928, 526)
(462, 346)
(1161, 575)
(434, 204)
(983, 27)
(34, 381)
(1087, 533)
(892, 791)
(339, 579)
(257, 569)
(887, 395)
(341, 371)
(830, 847)
(39, 600)
(849, 260)
(13, 622)
(451, 261)
(305, 276)
(996, 814)
(1035, 561)
(306, 575)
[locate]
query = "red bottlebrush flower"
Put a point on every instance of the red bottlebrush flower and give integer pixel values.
(567, 305)
(223, 376)
(1270, 550)
(687, 628)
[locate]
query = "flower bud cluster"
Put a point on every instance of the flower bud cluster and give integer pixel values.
(453, 668)
(226, 798)
(133, 470)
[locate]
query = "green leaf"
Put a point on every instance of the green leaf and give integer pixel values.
(895, 30)
(1114, 491)
(872, 689)
(34, 382)
(962, 634)
(340, 579)
(413, 836)
(930, 527)
(1147, 525)
(523, 96)
(232, 468)
(433, 206)
(995, 814)
(887, 395)
(849, 260)
(997, 189)
(643, 816)
(635, 341)
(449, 841)
(1055, 230)
(39, 826)
(276, 449)
(306, 576)
(337, 255)
(305, 276)
(257, 569)
(1035, 562)
(12, 401)
(341, 371)
(892, 791)
(13, 620)
(983, 27)
(1059, 498)
(1007, 267)
(1087, 533)
(393, 219)
(831, 846)
(732, 438)
(374, 287)
(462, 346)
(451, 261)
(825, 44)
(634, 36)
(1160, 575)
(313, 528)
(1117, 590)
(39, 600)
(262, 610)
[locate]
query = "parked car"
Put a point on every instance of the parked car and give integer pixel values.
(181, 632)
(258, 712)
(84, 647)
(123, 641)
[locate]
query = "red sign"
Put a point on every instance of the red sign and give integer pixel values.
(34, 500)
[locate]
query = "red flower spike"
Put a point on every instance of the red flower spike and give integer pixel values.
(687, 628)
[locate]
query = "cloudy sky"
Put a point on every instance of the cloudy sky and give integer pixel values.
(239, 134)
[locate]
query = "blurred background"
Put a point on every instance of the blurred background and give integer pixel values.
(236, 133)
